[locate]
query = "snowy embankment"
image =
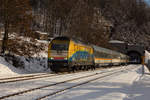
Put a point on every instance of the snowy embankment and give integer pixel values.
(123, 86)
(27, 56)
(29, 67)
(7, 69)
(34, 65)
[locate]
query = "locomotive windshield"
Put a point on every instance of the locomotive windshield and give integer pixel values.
(59, 46)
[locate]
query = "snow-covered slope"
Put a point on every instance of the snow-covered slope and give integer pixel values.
(147, 56)
(33, 66)
(26, 55)
(7, 69)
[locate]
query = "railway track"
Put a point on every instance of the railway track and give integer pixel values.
(23, 78)
(61, 90)
(49, 85)
(31, 77)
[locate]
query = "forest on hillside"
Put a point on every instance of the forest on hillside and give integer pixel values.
(92, 21)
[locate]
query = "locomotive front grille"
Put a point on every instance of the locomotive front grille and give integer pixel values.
(58, 63)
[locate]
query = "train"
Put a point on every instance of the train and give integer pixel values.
(69, 54)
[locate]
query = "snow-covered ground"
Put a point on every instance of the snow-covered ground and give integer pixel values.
(130, 85)
(7, 70)
(126, 85)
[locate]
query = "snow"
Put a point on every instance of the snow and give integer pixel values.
(116, 41)
(7, 70)
(35, 65)
(147, 56)
(140, 89)
(42, 41)
(41, 32)
(4, 70)
(116, 88)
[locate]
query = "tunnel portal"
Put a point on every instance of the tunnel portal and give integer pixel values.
(134, 57)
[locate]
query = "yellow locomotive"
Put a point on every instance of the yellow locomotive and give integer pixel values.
(67, 54)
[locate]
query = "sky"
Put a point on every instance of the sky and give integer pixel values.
(148, 1)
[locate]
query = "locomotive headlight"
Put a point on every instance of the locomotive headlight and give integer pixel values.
(65, 58)
(52, 58)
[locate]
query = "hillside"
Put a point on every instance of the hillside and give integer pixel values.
(26, 53)
(127, 20)
(130, 21)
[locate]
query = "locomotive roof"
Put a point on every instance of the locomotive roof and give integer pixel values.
(73, 39)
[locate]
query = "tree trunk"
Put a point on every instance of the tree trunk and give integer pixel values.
(5, 38)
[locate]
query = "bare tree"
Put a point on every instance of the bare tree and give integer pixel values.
(16, 14)
(76, 18)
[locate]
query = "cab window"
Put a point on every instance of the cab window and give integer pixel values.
(59, 46)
